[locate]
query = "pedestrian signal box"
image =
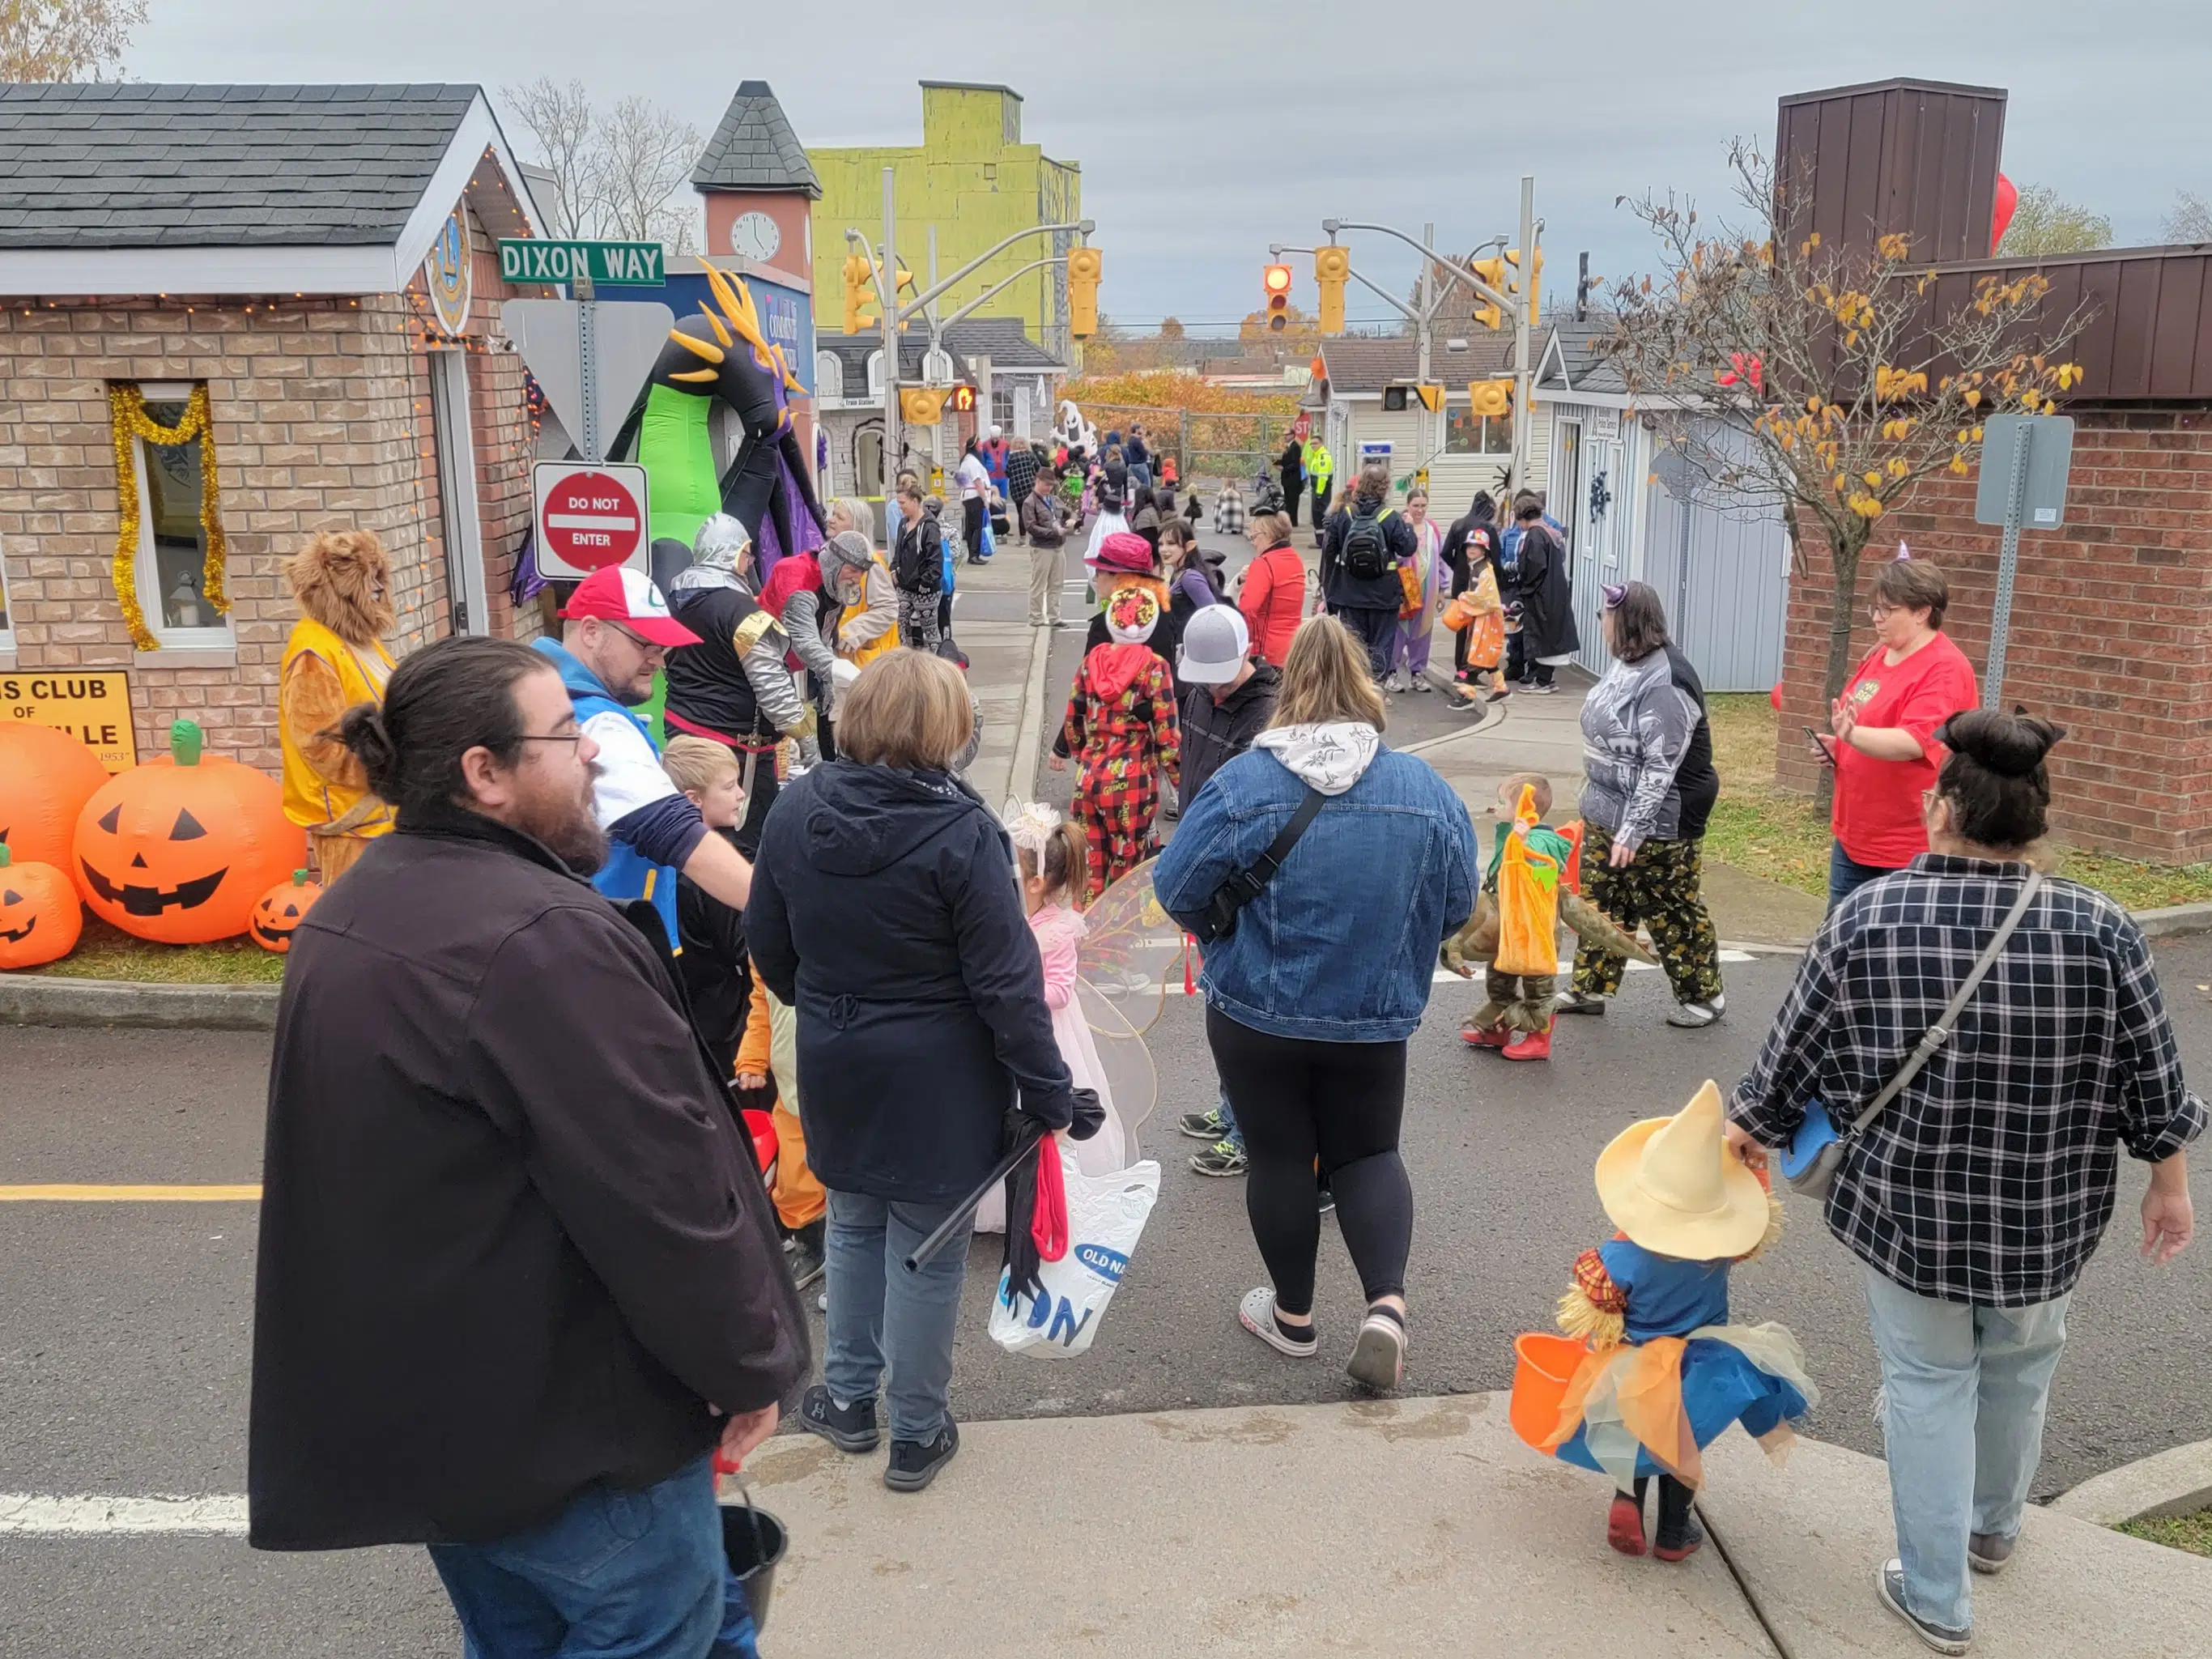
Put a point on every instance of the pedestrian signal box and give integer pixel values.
(964, 399)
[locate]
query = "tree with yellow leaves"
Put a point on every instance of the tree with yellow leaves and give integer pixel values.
(66, 39)
(1827, 382)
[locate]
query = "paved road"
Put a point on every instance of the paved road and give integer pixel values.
(124, 1328)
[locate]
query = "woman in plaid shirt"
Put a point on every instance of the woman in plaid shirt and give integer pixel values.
(1978, 1196)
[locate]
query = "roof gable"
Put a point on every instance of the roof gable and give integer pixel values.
(755, 149)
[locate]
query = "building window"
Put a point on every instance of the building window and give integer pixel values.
(172, 544)
(1002, 407)
(829, 377)
(876, 374)
(1467, 433)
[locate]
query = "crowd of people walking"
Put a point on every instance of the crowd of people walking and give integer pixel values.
(632, 1032)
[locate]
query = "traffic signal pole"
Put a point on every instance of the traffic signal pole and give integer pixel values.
(1524, 321)
(887, 289)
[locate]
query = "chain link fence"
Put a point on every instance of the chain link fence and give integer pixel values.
(1208, 446)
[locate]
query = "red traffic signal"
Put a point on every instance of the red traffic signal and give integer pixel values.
(1277, 281)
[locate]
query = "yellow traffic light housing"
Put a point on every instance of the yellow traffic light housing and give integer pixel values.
(1488, 313)
(1332, 264)
(922, 406)
(1276, 280)
(1084, 267)
(1536, 278)
(859, 290)
(1492, 399)
(1431, 397)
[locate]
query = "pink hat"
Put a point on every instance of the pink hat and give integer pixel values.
(1125, 551)
(620, 595)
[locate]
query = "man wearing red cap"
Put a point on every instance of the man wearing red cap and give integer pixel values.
(618, 631)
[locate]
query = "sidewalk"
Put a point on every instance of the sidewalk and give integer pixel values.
(1392, 1526)
(990, 620)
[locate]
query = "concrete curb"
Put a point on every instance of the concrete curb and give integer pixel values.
(2174, 1482)
(2175, 919)
(1027, 730)
(31, 1000)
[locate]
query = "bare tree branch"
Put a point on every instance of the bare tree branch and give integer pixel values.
(559, 120)
(621, 171)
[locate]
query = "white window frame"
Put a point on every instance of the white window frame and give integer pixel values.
(218, 636)
(1485, 451)
(828, 378)
(876, 374)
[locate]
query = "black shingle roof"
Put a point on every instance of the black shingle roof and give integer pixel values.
(112, 165)
(755, 149)
(1359, 364)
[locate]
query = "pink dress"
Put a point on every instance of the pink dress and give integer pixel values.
(1060, 932)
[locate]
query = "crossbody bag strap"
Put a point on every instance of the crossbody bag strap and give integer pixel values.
(1940, 1033)
(1263, 869)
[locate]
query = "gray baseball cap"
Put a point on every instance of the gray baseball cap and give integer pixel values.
(1215, 643)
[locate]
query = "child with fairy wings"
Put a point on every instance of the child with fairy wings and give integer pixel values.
(1662, 1370)
(1121, 730)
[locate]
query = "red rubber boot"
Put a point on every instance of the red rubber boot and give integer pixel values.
(1534, 1045)
(1478, 1036)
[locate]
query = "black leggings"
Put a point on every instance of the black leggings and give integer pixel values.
(1297, 1100)
(972, 513)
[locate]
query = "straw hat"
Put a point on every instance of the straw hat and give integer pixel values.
(1671, 1184)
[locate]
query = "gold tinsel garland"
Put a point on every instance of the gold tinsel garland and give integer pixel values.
(129, 419)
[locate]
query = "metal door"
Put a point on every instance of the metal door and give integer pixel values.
(459, 530)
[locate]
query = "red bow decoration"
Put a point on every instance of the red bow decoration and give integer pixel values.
(1746, 367)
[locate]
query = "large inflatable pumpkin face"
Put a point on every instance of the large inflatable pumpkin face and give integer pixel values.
(178, 849)
(45, 777)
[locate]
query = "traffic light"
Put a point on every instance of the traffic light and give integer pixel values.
(1536, 277)
(859, 290)
(1332, 264)
(922, 406)
(1492, 400)
(964, 399)
(1277, 281)
(1493, 271)
(1083, 265)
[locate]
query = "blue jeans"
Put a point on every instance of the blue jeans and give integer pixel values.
(1229, 1132)
(880, 1313)
(1846, 875)
(616, 1575)
(1963, 1394)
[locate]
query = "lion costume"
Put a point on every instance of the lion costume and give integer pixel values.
(334, 659)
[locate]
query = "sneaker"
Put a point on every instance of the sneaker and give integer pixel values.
(1989, 1552)
(848, 1428)
(807, 1261)
(914, 1463)
(1224, 1157)
(1203, 1126)
(1256, 1313)
(1421, 683)
(1499, 693)
(822, 1302)
(1889, 1591)
(1536, 690)
(1392, 682)
(1695, 1016)
(1378, 1356)
(1578, 1002)
(1327, 1201)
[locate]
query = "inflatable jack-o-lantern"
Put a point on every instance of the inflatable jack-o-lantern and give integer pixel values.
(277, 912)
(45, 777)
(177, 850)
(39, 918)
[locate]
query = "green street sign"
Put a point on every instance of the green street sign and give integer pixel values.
(607, 264)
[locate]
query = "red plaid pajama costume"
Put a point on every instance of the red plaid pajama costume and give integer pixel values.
(1121, 730)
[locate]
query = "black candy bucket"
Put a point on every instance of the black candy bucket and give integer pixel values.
(755, 1543)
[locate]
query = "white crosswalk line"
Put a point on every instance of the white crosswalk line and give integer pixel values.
(34, 1515)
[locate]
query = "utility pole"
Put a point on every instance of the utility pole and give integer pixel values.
(1428, 305)
(1524, 322)
(929, 371)
(894, 444)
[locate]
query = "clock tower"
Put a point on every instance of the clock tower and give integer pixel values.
(760, 188)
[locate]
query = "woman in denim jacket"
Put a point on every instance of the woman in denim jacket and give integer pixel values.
(1309, 1004)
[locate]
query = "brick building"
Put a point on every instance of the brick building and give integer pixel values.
(2111, 631)
(314, 267)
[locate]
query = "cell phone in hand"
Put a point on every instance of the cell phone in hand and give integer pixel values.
(1820, 747)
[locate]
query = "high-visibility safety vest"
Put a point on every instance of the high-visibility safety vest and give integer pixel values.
(310, 799)
(1319, 465)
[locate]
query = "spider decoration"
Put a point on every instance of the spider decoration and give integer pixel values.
(1600, 497)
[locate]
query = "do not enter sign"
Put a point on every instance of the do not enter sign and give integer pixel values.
(588, 517)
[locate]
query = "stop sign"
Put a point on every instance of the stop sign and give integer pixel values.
(588, 517)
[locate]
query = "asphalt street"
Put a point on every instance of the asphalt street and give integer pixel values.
(126, 1327)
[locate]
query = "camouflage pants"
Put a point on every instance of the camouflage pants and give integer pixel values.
(1660, 890)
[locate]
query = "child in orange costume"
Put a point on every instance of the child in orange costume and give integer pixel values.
(770, 1047)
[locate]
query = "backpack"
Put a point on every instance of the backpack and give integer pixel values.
(1366, 548)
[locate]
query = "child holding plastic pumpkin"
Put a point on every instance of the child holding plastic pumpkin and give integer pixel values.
(1656, 1369)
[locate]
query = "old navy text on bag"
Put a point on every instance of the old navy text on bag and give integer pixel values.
(1106, 1214)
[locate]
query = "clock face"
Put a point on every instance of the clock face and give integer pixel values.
(755, 236)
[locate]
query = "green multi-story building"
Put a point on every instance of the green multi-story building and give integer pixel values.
(976, 182)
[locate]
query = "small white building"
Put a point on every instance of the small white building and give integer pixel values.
(1364, 404)
(1636, 511)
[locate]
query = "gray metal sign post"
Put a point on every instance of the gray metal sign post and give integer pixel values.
(2025, 461)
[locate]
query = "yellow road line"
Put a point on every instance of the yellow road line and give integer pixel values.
(62, 1193)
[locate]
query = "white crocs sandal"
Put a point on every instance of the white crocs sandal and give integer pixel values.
(1257, 1314)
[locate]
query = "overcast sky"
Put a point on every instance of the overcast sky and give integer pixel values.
(1207, 129)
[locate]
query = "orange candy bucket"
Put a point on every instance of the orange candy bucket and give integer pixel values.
(1543, 1365)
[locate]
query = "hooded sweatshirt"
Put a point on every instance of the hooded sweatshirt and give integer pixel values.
(883, 912)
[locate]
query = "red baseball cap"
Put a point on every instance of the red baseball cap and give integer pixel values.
(619, 594)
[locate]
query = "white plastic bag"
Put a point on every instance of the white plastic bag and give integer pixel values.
(1105, 1216)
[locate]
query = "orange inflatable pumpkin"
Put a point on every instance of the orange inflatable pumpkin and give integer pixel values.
(277, 912)
(45, 777)
(178, 849)
(39, 917)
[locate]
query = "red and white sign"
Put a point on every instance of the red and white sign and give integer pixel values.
(589, 517)
(1302, 428)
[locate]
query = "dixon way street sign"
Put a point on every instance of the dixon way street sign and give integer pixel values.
(609, 264)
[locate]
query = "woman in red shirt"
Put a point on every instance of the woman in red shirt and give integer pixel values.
(1884, 727)
(1274, 595)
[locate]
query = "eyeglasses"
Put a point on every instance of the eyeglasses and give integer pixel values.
(576, 736)
(1879, 611)
(639, 640)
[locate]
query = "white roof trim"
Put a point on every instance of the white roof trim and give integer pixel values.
(1553, 357)
(358, 268)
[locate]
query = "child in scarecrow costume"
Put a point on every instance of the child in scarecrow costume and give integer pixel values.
(1530, 888)
(335, 657)
(1664, 1371)
(1121, 730)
